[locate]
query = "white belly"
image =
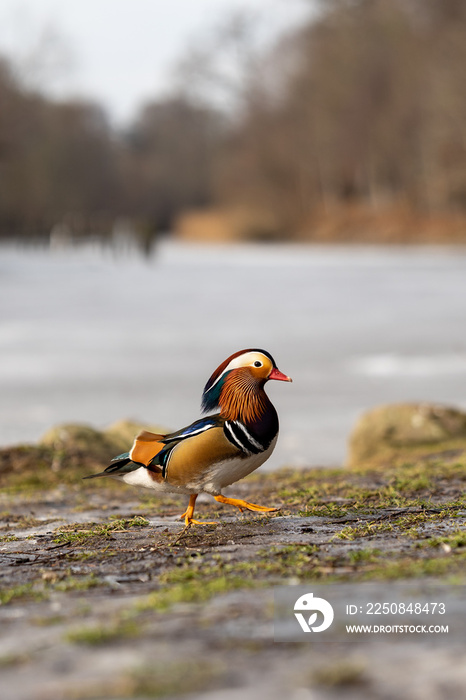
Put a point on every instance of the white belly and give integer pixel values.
(141, 477)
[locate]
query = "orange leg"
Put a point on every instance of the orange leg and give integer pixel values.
(239, 503)
(188, 514)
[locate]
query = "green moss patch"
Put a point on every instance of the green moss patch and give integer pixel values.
(78, 535)
(95, 635)
(20, 592)
(159, 680)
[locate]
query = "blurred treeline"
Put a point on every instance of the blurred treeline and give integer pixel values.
(352, 127)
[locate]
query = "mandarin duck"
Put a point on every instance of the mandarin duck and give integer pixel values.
(214, 451)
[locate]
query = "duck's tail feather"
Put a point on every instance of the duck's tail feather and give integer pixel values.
(120, 465)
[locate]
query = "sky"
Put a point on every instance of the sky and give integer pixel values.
(122, 53)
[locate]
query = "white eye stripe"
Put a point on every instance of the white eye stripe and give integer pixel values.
(244, 360)
(241, 361)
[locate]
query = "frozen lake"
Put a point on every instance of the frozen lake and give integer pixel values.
(87, 336)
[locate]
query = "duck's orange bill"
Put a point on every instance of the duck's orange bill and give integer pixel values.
(276, 374)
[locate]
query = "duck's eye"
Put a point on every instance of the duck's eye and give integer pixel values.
(257, 363)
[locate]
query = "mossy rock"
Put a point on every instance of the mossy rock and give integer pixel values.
(396, 429)
(80, 441)
(21, 458)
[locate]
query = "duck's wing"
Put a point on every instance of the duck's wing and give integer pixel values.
(148, 447)
(153, 450)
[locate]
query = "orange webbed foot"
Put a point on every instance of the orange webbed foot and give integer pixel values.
(239, 503)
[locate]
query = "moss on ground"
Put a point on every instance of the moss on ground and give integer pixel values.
(159, 680)
(79, 534)
(95, 635)
(89, 561)
(403, 520)
(19, 592)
